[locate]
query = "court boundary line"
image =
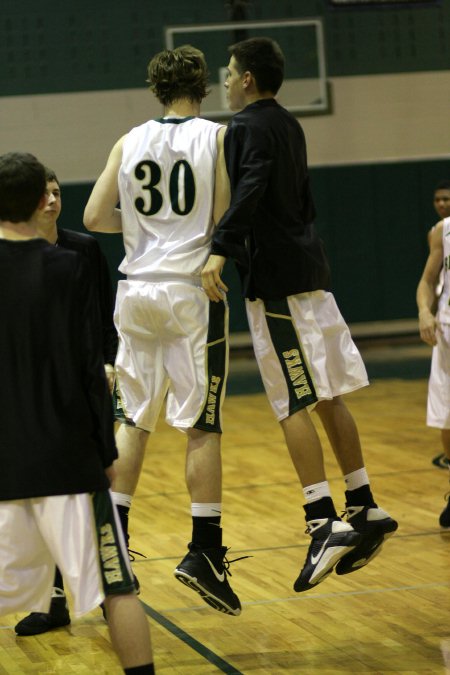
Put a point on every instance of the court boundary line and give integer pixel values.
(191, 642)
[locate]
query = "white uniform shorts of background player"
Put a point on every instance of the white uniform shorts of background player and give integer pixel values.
(438, 405)
(172, 340)
(80, 533)
(304, 351)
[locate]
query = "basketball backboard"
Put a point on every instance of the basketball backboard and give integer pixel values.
(304, 89)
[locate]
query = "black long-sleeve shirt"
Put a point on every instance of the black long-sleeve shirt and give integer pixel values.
(55, 409)
(268, 229)
(88, 246)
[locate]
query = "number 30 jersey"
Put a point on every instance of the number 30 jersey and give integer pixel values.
(166, 188)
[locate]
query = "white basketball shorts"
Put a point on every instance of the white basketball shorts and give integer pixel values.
(172, 341)
(438, 406)
(79, 533)
(304, 351)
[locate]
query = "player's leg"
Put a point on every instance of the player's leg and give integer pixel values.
(304, 447)
(290, 385)
(373, 523)
(84, 534)
(197, 363)
(131, 444)
(342, 433)
(331, 539)
(127, 622)
(444, 518)
(139, 388)
(345, 372)
(204, 568)
(438, 405)
(129, 631)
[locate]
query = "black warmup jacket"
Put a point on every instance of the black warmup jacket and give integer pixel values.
(88, 247)
(55, 409)
(269, 229)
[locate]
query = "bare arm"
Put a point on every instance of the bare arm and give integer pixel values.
(101, 214)
(211, 280)
(425, 295)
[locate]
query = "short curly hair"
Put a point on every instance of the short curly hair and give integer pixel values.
(180, 73)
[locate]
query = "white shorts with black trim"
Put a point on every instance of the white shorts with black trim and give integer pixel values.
(79, 533)
(172, 342)
(438, 405)
(304, 351)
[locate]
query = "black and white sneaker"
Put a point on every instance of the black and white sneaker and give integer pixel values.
(206, 571)
(444, 518)
(441, 461)
(331, 539)
(375, 526)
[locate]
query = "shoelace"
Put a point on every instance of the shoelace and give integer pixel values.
(226, 563)
(310, 528)
(132, 554)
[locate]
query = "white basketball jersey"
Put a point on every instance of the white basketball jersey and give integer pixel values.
(444, 308)
(166, 187)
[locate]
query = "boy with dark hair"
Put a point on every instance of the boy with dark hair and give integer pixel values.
(57, 445)
(441, 199)
(303, 347)
(47, 227)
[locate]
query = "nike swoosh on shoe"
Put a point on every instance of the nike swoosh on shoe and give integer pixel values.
(315, 558)
(219, 577)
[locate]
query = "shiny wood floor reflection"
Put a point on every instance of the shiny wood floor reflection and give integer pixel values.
(391, 617)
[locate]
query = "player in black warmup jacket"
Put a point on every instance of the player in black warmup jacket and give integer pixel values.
(57, 445)
(88, 247)
(303, 346)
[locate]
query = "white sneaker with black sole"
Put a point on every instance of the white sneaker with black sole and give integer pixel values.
(331, 539)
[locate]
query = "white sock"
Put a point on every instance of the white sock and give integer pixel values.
(313, 493)
(204, 510)
(356, 479)
(119, 499)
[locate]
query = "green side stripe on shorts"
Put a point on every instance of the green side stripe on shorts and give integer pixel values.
(118, 407)
(216, 355)
(289, 352)
(114, 569)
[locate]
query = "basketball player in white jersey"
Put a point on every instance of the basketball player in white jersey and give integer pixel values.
(435, 331)
(441, 203)
(170, 178)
